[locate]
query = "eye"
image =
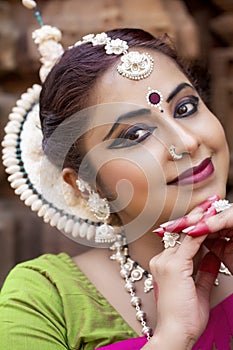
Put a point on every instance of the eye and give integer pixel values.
(132, 136)
(186, 107)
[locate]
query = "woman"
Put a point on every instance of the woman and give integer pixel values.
(133, 137)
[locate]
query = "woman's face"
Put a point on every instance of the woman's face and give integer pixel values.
(130, 146)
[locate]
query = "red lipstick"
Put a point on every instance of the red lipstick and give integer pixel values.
(194, 175)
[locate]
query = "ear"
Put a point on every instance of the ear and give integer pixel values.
(70, 177)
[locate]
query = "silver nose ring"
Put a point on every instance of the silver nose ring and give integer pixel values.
(172, 151)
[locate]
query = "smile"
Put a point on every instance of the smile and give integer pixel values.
(194, 175)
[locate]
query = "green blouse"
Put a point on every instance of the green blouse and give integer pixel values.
(49, 304)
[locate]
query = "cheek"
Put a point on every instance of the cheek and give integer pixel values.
(134, 188)
(216, 140)
(215, 137)
(123, 180)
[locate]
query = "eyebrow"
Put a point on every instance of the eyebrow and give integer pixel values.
(177, 90)
(129, 115)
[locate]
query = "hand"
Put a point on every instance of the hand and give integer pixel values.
(182, 304)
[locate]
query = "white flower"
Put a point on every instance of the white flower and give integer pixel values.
(136, 65)
(116, 47)
(100, 39)
(50, 51)
(221, 205)
(135, 60)
(45, 33)
(88, 38)
(170, 239)
(78, 43)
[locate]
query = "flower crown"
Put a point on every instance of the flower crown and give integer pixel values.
(134, 65)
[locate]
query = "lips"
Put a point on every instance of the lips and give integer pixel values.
(195, 174)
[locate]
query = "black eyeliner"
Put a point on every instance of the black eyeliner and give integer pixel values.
(193, 100)
(121, 142)
(126, 116)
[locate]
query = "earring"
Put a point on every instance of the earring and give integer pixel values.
(154, 98)
(172, 151)
(100, 207)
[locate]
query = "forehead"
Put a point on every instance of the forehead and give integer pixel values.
(112, 87)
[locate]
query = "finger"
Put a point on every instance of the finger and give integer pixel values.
(222, 221)
(190, 246)
(207, 274)
(195, 215)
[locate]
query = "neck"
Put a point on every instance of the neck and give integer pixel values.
(145, 248)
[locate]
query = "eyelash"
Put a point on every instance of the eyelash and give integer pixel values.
(192, 100)
(123, 139)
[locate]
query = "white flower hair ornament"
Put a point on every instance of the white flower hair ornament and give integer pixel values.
(134, 65)
(33, 177)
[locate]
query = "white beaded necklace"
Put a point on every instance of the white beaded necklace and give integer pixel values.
(132, 272)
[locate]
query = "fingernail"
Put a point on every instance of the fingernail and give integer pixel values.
(167, 223)
(188, 229)
(199, 230)
(210, 263)
(206, 204)
(211, 211)
(160, 231)
(177, 225)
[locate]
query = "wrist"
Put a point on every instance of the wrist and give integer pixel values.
(170, 338)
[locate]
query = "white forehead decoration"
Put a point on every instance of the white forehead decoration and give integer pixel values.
(134, 65)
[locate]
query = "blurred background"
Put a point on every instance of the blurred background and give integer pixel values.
(203, 32)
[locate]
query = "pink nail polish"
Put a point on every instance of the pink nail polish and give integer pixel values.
(199, 230)
(160, 231)
(207, 203)
(211, 211)
(177, 225)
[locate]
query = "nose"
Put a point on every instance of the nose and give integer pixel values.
(184, 139)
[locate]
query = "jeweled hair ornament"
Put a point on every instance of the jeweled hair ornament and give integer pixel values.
(134, 65)
(24, 159)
